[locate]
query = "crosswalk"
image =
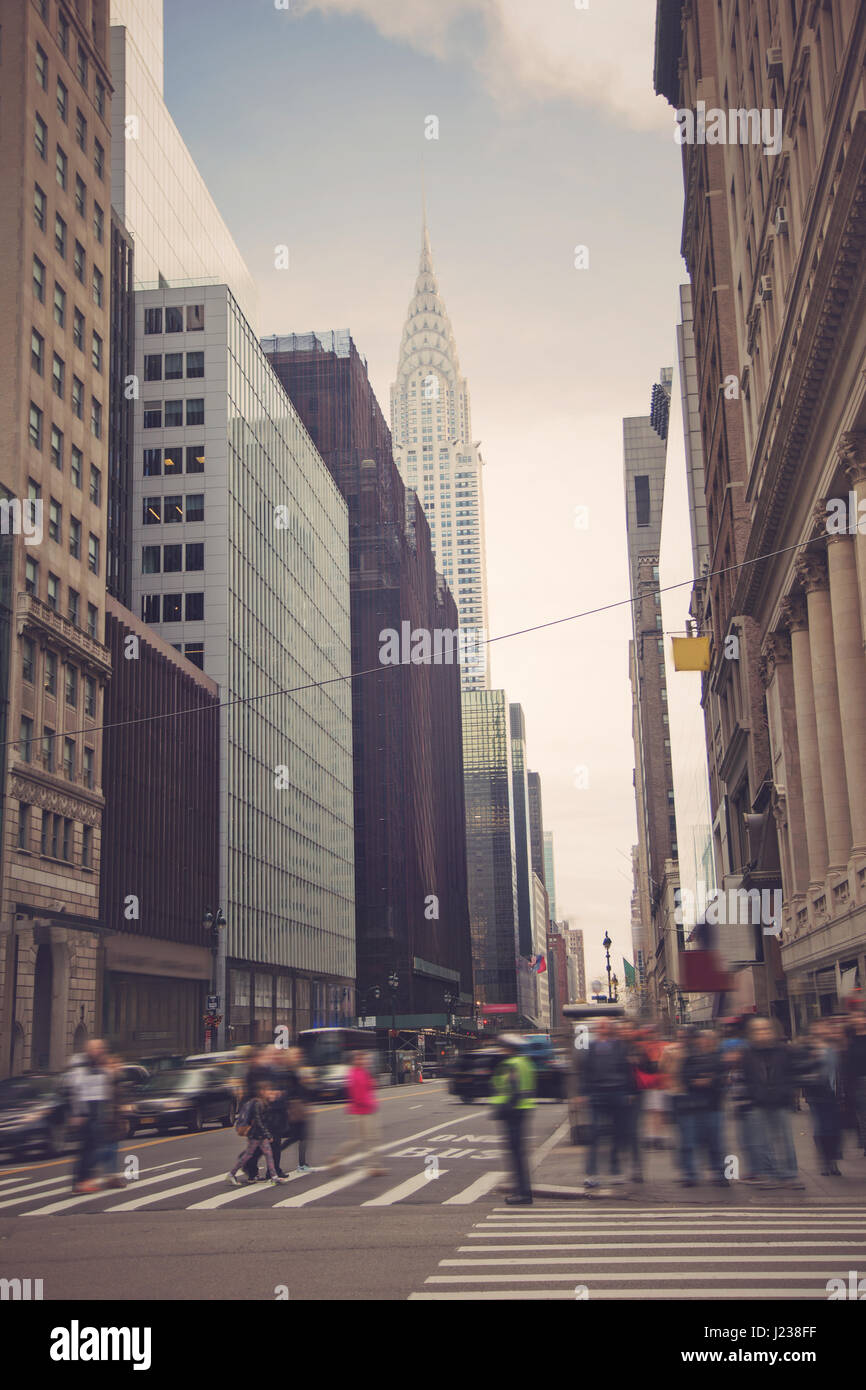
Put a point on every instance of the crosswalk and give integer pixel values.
(577, 1252)
(185, 1186)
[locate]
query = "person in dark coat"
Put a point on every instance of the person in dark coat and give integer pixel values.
(607, 1080)
(769, 1078)
(704, 1076)
(821, 1085)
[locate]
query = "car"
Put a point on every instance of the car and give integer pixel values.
(188, 1097)
(471, 1076)
(231, 1065)
(33, 1113)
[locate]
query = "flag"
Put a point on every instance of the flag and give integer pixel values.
(629, 974)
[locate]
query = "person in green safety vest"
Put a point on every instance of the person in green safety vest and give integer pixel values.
(514, 1099)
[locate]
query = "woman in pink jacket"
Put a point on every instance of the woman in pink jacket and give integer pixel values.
(363, 1104)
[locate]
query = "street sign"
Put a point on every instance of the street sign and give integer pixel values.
(213, 1003)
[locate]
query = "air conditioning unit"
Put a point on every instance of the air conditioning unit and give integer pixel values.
(781, 222)
(774, 62)
(766, 290)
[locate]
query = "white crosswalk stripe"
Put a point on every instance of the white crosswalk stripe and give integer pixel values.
(69, 1203)
(628, 1254)
(403, 1189)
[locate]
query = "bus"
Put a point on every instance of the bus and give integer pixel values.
(327, 1054)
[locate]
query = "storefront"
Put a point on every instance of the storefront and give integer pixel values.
(262, 1000)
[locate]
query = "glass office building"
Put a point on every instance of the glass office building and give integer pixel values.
(241, 554)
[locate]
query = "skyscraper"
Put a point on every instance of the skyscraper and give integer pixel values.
(437, 457)
(549, 873)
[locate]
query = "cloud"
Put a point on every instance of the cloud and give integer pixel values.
(600, 57)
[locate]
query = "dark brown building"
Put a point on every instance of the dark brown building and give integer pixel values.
(412, 913)
(160, 867)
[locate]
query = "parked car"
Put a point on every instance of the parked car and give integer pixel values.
(33, 1111)
(231, 1065)
(189, 1097)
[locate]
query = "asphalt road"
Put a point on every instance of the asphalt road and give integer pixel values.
(179, 1231)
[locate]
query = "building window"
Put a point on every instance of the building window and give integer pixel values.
(195, 556)
(62, 166)
(72, 609)
(28, 662)
(59, 235)
(40, 205)
(93, 620)
(95, 485)
(35, 426)
(40, 135)
(150, 607)
(172, 559)
(41, 67)
(153, 320)
(59, 305)
(98, 287)
(58, 376)
(49, 742)
(90, 697)
(23, 825)
(173, 462)
(151, 557)
(95, 418)
(39, 279)
(31, 578)
(153, 366)
(174, 319)
(96, 352)
(63, 33)
(79, 262)
(642, 499)
(50, 680)
(195, 364)
(173, 415)
(195, 411)
(67, 841)
(69, 759)
(26, 740)
(78, 329)
(87, 768)
(152, 511)
(74, 538)
(195, 506)
(80, 196)
(195, 458)
(173, 510)
(54, 593)
(81, 131)
(78, 398)
(171, 608)
(194, 652)
(153, 415)
(37, 351)
(195, 608)
(93, 554)
(81, 66)
(77, 461)
(99, 96)
(152, 463)
(86, 846)
(173, 366)
(72, 686)
(98, 223)
(55, 520)
(195, 318)
(62, 101)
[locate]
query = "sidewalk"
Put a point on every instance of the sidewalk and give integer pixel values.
(559, 1171)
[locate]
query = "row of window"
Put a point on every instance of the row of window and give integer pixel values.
(169, 559)
(53, 595)
(37, 423)
(173, 318)
(171, 461)
(61, 158)
(169, 366)
(56, 838)
(170, 414)
(76, 458)
(58, 370)
(172, 608)
(40, 217)
(50, 668)
(160, 511)
(51, 754)
(40, 282)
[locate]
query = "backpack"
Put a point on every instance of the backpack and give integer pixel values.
(245, 1117)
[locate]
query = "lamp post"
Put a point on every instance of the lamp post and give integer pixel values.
(615, 990)
(393, 985)
(215, 925)
(607, 943)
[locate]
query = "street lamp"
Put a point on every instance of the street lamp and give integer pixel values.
(393, 985)
(607, 943)
(615, 990)
(215, 925)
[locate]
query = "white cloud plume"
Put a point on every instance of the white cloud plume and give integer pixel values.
(522, 50)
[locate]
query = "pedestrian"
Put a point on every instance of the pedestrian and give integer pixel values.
(855, 1064)
(672, 1063)
(606, 1081)
(652, 1085)
(363, 1107)
(255, 1128)
(513, 1096)
(821, 1087)
(263, 1067)
(299, 1095)
(703, 1077)
(115, 1127)
(734, 1048)
(90, 1095)
(770, 1077)
(637, 1059)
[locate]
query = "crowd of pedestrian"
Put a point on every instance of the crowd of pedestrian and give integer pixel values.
(273, 1116)
(722, 1096)
(95, 1095)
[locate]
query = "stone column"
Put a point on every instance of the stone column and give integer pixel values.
(851, 677)
(852, 456)
(812, 570)
(794, 618)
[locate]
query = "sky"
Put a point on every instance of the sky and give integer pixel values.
(309, 120)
